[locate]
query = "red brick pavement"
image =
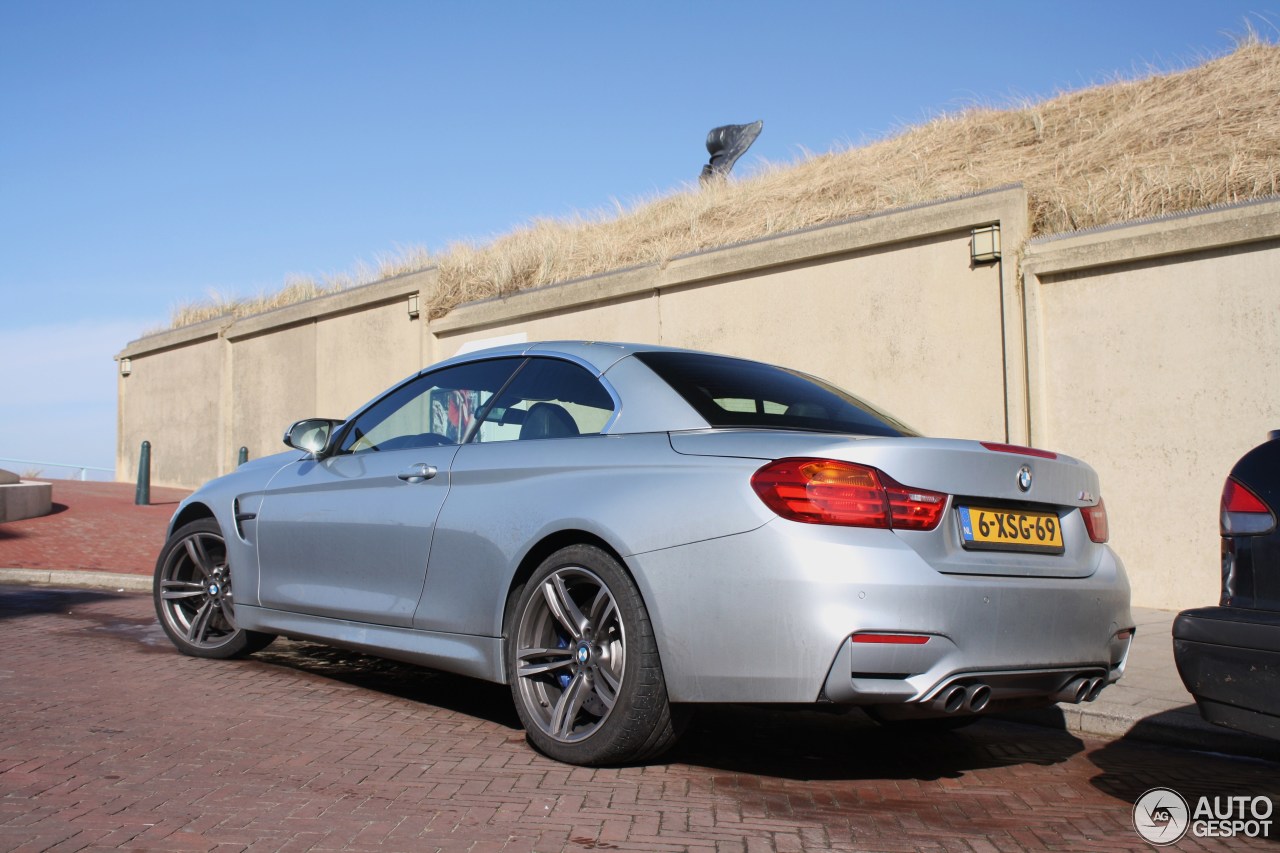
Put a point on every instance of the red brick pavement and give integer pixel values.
(110, 740)
(93, 526)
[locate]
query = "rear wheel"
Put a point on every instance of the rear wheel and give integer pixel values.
(193, 596)
(583, 663)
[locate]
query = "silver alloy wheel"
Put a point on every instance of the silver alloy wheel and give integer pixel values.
(570, 653)
(195, 591)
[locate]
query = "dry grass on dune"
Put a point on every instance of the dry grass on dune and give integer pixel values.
(1120, 151)
(299, 288)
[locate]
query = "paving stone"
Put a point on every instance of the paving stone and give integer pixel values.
(108, 741)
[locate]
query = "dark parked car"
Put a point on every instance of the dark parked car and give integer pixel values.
(1229, 656)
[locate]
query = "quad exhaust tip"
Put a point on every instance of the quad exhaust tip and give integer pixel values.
(1079, 690)
(972, 698)
(951, 700)
(978, 697)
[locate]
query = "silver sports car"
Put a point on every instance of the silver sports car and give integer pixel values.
(620, 531)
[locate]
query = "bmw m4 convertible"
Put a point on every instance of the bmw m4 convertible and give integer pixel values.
(619, 532)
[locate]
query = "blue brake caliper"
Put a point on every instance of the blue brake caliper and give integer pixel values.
(562, 678)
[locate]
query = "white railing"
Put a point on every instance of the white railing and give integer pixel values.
(82, 471)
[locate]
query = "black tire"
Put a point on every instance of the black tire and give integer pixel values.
(583, 663)
(193, 595)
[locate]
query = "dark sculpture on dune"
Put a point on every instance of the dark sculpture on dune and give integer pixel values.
(726, 144)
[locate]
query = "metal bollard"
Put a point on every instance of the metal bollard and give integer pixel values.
(142, 497)
(243, 457)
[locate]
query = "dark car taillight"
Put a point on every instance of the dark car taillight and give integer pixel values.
(828, 491)
(1095, 521)
(1243, 512)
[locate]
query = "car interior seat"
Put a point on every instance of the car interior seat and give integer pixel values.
(548, 420)
(808, 410)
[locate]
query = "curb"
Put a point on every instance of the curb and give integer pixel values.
(90, 579)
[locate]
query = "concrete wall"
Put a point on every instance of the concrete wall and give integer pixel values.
(172, 397)
(273, 375)
(1156, 353)
(201, 393)
(1149, 350)
(888, 306)
(875, 322)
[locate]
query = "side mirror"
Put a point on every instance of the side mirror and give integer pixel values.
(312, 435)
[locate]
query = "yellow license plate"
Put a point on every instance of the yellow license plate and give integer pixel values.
(985, 528)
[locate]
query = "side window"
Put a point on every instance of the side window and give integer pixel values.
(548, 399)
(432, 410)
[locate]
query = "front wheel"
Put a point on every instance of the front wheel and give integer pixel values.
(583, 663)
(193, 596)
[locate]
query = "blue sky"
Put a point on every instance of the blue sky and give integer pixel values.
(153, 152)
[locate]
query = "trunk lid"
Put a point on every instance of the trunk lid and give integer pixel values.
(985, 486)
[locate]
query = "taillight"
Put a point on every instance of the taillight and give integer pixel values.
(1095, 521)
(827, 491)
(1243, 512)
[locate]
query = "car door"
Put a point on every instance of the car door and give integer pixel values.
(538, 447)
(347, 536)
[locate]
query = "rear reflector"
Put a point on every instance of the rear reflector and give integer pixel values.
(828, 491)
(1243, 512)
(1018, 448)
(892, 639)
(1095, 521)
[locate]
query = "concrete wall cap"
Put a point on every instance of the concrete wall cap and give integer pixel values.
(1146, 220)
(350, 299)
(339, 302)
(1176, 234)
(174, 338)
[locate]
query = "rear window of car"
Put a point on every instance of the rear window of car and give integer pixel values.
(731, 392)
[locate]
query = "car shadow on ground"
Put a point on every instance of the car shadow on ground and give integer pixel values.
(813, 745)
(1177, 728)
(491, 702)
(791, 744)
(1164, 726)
(32, 600)
(1127, 773)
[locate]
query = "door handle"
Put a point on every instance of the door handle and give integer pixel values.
(418, 472)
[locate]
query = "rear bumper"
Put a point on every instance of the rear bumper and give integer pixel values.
(1229, 660)
(768, 616)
